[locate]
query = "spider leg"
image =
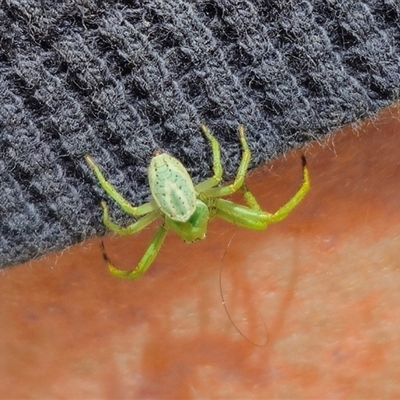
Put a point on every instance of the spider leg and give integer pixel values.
(131, 229)
(250, 199)
(243, 216)
(144, 263)
(116, 196)
(285, 210)
(240, 176)
(217, 166)
(253, 217)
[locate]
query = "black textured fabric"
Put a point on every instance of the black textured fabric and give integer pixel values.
(122, 79)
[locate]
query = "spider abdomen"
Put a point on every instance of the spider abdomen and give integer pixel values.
(172, 188)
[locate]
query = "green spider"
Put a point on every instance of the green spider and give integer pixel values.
(186, 208)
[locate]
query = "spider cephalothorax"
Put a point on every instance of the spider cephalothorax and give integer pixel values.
(186, 208)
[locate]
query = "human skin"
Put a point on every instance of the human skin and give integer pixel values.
(318, 291)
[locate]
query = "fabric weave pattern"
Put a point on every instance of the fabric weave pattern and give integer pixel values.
(122, 79)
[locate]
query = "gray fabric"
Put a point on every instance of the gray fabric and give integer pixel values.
(122, 79)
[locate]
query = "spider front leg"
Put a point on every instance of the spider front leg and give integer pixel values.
(241, 174)
(284, 211)
(253, 217)
(217, 166)
(250, 199)
(147, 259)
